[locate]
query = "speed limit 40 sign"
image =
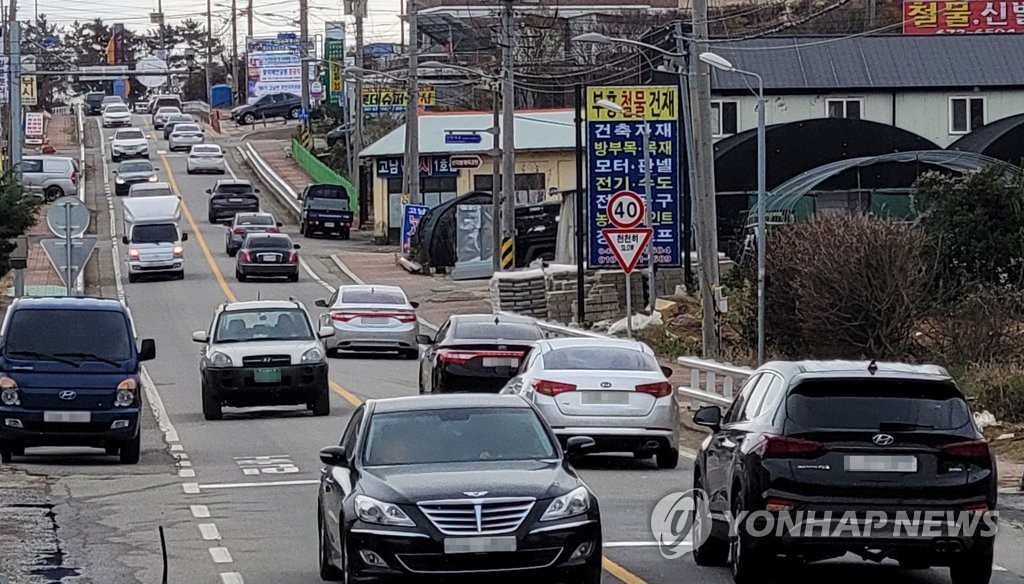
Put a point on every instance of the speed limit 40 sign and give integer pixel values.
(626, 209)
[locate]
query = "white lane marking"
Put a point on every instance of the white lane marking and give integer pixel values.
(633, 544)
(209, 532)
(227, 165)
(220, 555)
(200, 511)
(181, 456)
(309, 270)
(250, 471)
(190, 488)
(1010, 491)
(231, 578)
(688, 453)
(163, 419)
(185, 463)
(352, 275)
(177, 448)
(266, 484)
(187, 473)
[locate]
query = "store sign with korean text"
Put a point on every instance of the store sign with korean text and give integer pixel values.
(615, 160)
(380, 100)
(929, 17)
(429, 166)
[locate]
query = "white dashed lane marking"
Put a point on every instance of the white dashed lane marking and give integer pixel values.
(220, 555)
(231, 578)
(200, 511)
(249, 485)
(190, 488)
(209, 532)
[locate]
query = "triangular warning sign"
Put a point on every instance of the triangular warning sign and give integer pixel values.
(627, 245)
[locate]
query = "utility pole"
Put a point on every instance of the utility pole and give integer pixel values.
(508, 147)
(234, 43)
(704, 195)
(691, 166)
(248, 19)
(412, 111)
(242, 78)
(304, 52)
(15, 90)
(357, 103)
(496, 160)
(209, 49)
(163, 32)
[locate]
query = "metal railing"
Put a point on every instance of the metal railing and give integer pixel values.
(554, 330)
(712, 382)
(277, 185)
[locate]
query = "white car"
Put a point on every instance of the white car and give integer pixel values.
(184, 136)
(263, 353)
(611, 390)
(372, 318)
(205, 158)
(161, 115)
(116, 114)
(128, 143)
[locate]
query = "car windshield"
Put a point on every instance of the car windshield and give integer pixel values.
(177, 118)
(275, 324)
(372, 297)
(457, 435)
(502, 330)
(103, 333)
(150, 191)
(254, 220)
(117, 109)
(113, 99)
(185, 128)
(873, 405)
(237, 189)
(327, 192)
(130, 135)
(135, 166)
(161, 233)
(599, 359)
(268, 243)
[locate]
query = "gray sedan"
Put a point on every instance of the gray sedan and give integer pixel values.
(184, 136)
(372, 318)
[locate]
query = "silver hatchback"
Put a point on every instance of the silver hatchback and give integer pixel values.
(371, 318)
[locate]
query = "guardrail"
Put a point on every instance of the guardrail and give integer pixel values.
(559, 331)
(704, 380)
(277, 185)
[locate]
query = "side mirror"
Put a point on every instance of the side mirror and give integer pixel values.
(200, 337)
(321, 303)
(709, 417)
(296, 246)
(279, 224)
(424, 340)
(414, 304)
(666, 371)
(209, 191)
(113, 171)
(255, 190)
(156, 168)
(184, 236)
(334, 456)
(326, 331)
(578, 445)
(124, 239)
(148, 350)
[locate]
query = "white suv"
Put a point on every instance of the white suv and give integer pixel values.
(128, 143)
(263, 353)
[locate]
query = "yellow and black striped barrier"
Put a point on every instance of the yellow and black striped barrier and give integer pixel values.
(306, 137)
(508, 253)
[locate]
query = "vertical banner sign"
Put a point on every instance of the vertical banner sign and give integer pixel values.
(117, 32)
(5, 77)
(929, 17)
(334, 53)
(615, 161)
(411, 215)
(29, 90)
(35, 127)
(274, 65)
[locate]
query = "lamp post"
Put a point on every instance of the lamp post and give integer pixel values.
(722, 64)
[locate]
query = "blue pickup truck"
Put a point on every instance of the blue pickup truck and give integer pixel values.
(69, 376)
(325, 209)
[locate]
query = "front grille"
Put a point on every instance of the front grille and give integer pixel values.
(67, 427)
(266, 360)
(477, 516)
(475, 563)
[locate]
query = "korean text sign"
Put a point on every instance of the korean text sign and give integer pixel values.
(615, 159)
(410, 220)
(926, 17)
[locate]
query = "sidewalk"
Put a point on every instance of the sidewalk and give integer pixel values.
(277, 155)
(60, 133)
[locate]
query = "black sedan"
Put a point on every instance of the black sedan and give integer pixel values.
(246, 223)
(478, 485)
(228, 197)
(267, 255)
(475, 352)
(132, 172)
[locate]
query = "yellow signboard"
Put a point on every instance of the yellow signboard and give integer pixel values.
(392, 99)
(29, 93)
(651, 103)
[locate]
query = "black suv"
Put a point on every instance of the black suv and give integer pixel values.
(228, 197)
(94, 102)
(855, 440)
(275, 105)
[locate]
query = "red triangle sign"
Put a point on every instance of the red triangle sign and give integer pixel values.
(627, 245)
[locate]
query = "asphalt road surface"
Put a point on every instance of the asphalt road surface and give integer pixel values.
(237, 497)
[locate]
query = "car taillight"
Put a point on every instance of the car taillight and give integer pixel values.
(343, 316)
(293, 258)
(552, 388)
(772, 446)
(239, 231)
(661, 389)
(404, 316)
(245, 256)
(273, 230)
(456, 357)
(777, 505)
(74, 177)
(974, 449)
(981, 507)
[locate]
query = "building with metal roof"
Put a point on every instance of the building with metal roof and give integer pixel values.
(1002, 139)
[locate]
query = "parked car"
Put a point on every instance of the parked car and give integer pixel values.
(162, 115)
(267, 255)
(94, 102)
(839, 438)
(263, 353)
(275, 105)
(325, 210)
(245, 224)
(175, 119)
(475, 352)
(150, 189)
(50, 177)
(371, 318)
(611, 390)
(116, 114)
(420, 488)
(133, 172)
(184, 136)
(205, 158)
(228, 197)
(128, 143)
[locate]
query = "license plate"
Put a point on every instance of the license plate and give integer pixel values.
(881, 463)
(375, 320)
(479, 545)
(74, 417)
(501, 362)
(270, 257)
(618, 398)
(239, 200)
(267, 375)
(329, 224)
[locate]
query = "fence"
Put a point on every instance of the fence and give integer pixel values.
(712, 382)
(322, 174)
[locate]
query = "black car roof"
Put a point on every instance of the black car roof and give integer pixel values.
(446, 402)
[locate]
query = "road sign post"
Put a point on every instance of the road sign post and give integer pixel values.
(627, 246)
(68, 219)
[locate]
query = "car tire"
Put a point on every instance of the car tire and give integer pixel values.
(328, 572)
(667, 457)
(346, 234)
(6, 453)
(211, 218)
(713, 552)
(294, 277)
(293, 114)
(322, 405)
(973, 567)
(18, 450)
(53, 193)
(211, 406)
(240, 276)
(747, 563)
(130, 450)
(189, 171)
(248, 118)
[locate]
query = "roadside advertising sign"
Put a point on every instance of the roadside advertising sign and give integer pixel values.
(411, 215)
(274, 65)
(929, 17)
(380, 100)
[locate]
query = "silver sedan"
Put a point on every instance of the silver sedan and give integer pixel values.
(611, 390)
(205, 158)
(185, 136)
(371, 318)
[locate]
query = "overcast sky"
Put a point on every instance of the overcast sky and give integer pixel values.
(272, 16)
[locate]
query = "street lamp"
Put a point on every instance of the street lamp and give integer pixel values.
(721, 63)
(648, 199)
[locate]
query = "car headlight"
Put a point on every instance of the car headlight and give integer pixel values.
(119, 180)
(577, 502)
(126, 391)
(314, 355)
(9, 392)
(218, 359)
(152, 178)
(371, 510)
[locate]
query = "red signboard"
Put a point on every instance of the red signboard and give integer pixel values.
(970, 17)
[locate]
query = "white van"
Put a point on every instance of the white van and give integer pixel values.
(50, 177)
(152, 234)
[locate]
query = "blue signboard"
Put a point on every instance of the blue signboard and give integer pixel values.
(429, 166)
(411, 215)
(450, 138)
(615, 160)
(119, 88)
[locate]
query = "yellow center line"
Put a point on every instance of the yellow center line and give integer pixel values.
(621, 573)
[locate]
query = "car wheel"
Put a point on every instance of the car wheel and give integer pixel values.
(248, 119)
(239, 276)
(6, 453)
(53, 193)
(294, 113)
(974, 566)
(18, 450)
(747, 562)
(211, 406)
(328, 571)
(713, 551)
(210, 217)
(294, 277)
(130, 450)
(668, 457)
(322, 405)
(189, 171)
(346, 234)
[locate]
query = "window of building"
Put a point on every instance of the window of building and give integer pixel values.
(434, 189)
(724, 118)
(529, 187)
(844, 108)
(966, 114)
